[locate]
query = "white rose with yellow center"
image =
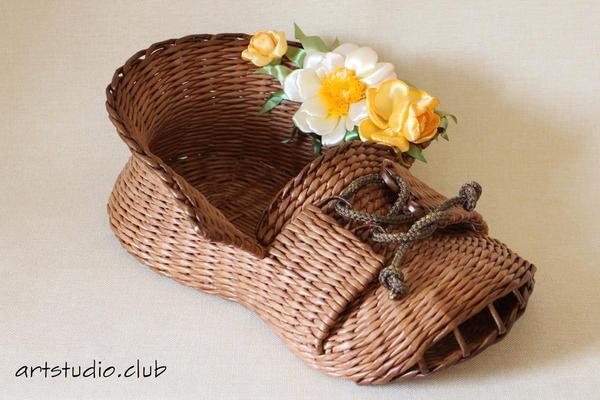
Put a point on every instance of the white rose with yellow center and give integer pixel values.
(332, 89)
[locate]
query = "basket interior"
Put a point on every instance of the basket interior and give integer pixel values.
(194, 104)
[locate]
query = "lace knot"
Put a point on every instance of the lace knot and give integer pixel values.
(470, 193)
(393, 280)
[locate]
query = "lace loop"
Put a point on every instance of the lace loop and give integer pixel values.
(391, 277)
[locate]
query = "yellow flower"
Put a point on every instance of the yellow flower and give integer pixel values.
(265, 47)
(399, 115)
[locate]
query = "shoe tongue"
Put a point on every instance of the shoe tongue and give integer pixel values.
(326, 176)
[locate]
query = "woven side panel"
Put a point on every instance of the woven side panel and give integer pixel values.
(156, 229)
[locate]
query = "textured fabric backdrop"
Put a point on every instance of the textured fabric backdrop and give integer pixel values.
(524, 79)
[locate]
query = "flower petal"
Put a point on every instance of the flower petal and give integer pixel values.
(256, 58)
(369, 132)
(281, 43)
(422, 100)
(361, 60)
(389, 95)
(336, 135)
(432, 121)
(381, 73)
(348, 123)
(308, 84)
(412, 127)
(301, 84)
(397, 141)
(366, 129)
(290, 86)
(322, 126)
(263, 42)
(358, 111)
(399, 116)
(329, 63)
(345, 49)
(314, 107)
(300, 121)
(312, 59)
(375, 114)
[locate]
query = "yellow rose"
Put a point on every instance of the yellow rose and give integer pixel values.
(265, 47)
(398, 115)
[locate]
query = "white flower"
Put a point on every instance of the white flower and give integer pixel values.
(332, 86)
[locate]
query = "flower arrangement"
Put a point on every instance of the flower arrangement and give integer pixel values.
(347, 94)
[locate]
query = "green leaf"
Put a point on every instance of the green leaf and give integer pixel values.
(295, 131)
(298, 32)
(296, 55)
(279, 72)
(309, 42)
(443, 123)
(352, 135)
(335, 43)
(442, 130)
(314, 43)
(317, 144)
(447, 114)
(273, 101)
(415, 152)
(276, 61)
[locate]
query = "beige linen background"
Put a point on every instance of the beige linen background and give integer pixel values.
(524, 78)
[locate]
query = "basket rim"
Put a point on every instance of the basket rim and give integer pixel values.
(156, 164)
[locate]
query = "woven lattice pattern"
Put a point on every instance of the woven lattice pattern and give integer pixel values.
(212, 199)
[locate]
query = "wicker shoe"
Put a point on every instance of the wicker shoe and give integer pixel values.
(364, 271)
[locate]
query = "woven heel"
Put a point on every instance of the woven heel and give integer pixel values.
(153, 227)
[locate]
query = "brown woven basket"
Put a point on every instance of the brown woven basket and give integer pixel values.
(211, 198)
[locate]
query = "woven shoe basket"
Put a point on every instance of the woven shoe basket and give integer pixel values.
(211, 198)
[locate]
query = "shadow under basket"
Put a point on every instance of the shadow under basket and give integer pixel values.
(212, 198)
